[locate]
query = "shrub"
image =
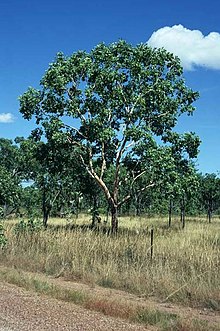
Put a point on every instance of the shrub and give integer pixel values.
(30, 226)
(3, 239)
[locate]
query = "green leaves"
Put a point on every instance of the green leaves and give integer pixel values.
(9, 188)
(11, 174)
(116, 107)
(30, 103)
(210, 191)
(3, 239)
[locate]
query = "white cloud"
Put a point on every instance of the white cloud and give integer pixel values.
(6, 118)
(191, 46)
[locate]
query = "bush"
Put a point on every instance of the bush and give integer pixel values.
(1, 212)
(3, 239)
(32, 225)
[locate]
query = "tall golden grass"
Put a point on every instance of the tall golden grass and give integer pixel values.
(185, 266)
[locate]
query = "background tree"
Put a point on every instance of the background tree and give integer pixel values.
(210, 193)
(11, 174)
(112, 105)
(51, 168)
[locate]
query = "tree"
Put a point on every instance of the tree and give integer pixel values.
(10, 176)
(51, 168)
(117, 106)
(187, 188)
(31, 201)
(210, 193)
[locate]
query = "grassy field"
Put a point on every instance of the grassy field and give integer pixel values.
(184, 268)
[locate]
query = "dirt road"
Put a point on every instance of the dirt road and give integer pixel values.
(21, 310)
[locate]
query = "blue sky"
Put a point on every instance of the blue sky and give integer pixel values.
(32, 32)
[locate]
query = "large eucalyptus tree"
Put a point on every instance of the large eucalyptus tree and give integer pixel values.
(117, 106)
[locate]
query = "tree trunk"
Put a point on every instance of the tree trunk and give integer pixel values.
(183, 218)
(209, 215)
(137, 205)
(210, 209)
(170, 213)
(78, 204)
(210, 212)
(114, 225)
(183, 221)
(46, 209)
(95, 214)
(107, 214)
(5, 208)
(45, 217)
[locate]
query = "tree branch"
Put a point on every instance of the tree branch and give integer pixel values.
(56, 196)
(89, 168)
(139, 175)
(130, 195)
(122, 92)
(129, 145)
(103, 161)
(81, 116)
(74, 142)
(117, 166)
(76, 130)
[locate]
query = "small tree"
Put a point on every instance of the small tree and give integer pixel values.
(11, 174)
(51, 168)
(111, 105)
(210, 193)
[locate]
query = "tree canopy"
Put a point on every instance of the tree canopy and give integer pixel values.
(117, 106)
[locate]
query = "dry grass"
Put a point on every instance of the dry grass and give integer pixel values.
(134, 311)
(185, 267)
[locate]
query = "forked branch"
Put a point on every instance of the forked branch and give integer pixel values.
(129, 196)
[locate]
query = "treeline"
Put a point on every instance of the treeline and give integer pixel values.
(38, 179)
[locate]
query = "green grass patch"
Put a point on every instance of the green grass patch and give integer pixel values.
(156, 317)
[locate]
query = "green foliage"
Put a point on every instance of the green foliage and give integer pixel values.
(210, 191)
(1, 212)
(10, 176)
(30, 226)
(126, 102)
(52, 169)
(159, 318)
(9, 191)
(3, 239)
(31, 202)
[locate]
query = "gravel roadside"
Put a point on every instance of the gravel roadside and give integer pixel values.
(21, 310)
